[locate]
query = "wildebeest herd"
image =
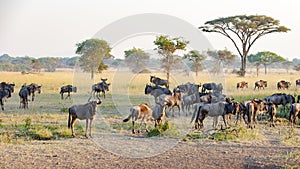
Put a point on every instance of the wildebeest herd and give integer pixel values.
(208, 101)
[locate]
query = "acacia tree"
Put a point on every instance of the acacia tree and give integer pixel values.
(136, 59)
(222, 57)
(287, 65)
(266, 58)
(196, 57)
(243, 31)
(92, 52)
(166, 47)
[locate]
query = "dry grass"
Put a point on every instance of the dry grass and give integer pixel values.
(127, 89)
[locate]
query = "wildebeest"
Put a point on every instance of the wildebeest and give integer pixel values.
(170, 101)
(4, 94)
(67, 89)
(158, 81)
(143, 112)
(294, 112)
(272, 113)
(86, 111)
(283, 85)
(297, 82)
(98, 88)
(213, 110)
(216, 88)
(189, 88)
(189, 100)
(281, 99)
(242, 85)
(260, 84)
(156, 91)
(34, 88)
(240, 111)
(158, 113)
(9, 86)
(24, 93)
(253, 108)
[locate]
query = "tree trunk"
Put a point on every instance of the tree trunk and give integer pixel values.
(265, 69)
(257, 69)
(196, 69)
(92, 74)
(243, 68)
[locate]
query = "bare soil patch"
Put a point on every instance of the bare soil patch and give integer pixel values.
(269, 152)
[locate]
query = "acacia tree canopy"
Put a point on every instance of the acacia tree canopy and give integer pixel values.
(243, 31)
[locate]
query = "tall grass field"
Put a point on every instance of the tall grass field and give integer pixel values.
(47, 116)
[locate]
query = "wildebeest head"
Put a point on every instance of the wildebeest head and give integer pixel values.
(148, 89)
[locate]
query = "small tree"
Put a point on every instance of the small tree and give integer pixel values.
(266, 58)
(287, 65)
(136, 59)
(222, 57)
(196, 57)
(92, 52)
(166, 47)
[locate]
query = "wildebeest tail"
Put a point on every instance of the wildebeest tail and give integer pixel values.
(127, 119)
(69, 119)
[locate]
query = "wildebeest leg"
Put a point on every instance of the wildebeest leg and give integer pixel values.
(68, 96)
(224, 119)
(86, 127)
(72, 125)
(2, 107)
(62, 95)
(133, 132)
(91, 120)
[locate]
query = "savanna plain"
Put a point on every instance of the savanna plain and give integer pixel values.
(38, 137)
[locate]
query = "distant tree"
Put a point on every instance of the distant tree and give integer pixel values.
(196, 57)
(222, 57)
(166, 47)
(265, 58)
(36, 65)
(297, 67)
(49, 63)
(136, 59)
(287, 65)
(92, 52)
(243, 31)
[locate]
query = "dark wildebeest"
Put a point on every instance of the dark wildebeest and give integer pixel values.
(294, 112)
(213, 110)
(34, 88)
(283, 85)
(67, 89)
(189, 88)
(242, 85)
(260, 84)
(4, 94)
(24, 93)
(281, 99)
(9, 86)
(83, 112)
(272, 113)
(98, 88)
(143, 112)
(297, 82)
(156, 91)
(159, 82)
(216, 88)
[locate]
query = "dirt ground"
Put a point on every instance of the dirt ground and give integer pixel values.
(109, 151)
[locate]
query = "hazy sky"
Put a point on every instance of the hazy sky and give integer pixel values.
(41, 28)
